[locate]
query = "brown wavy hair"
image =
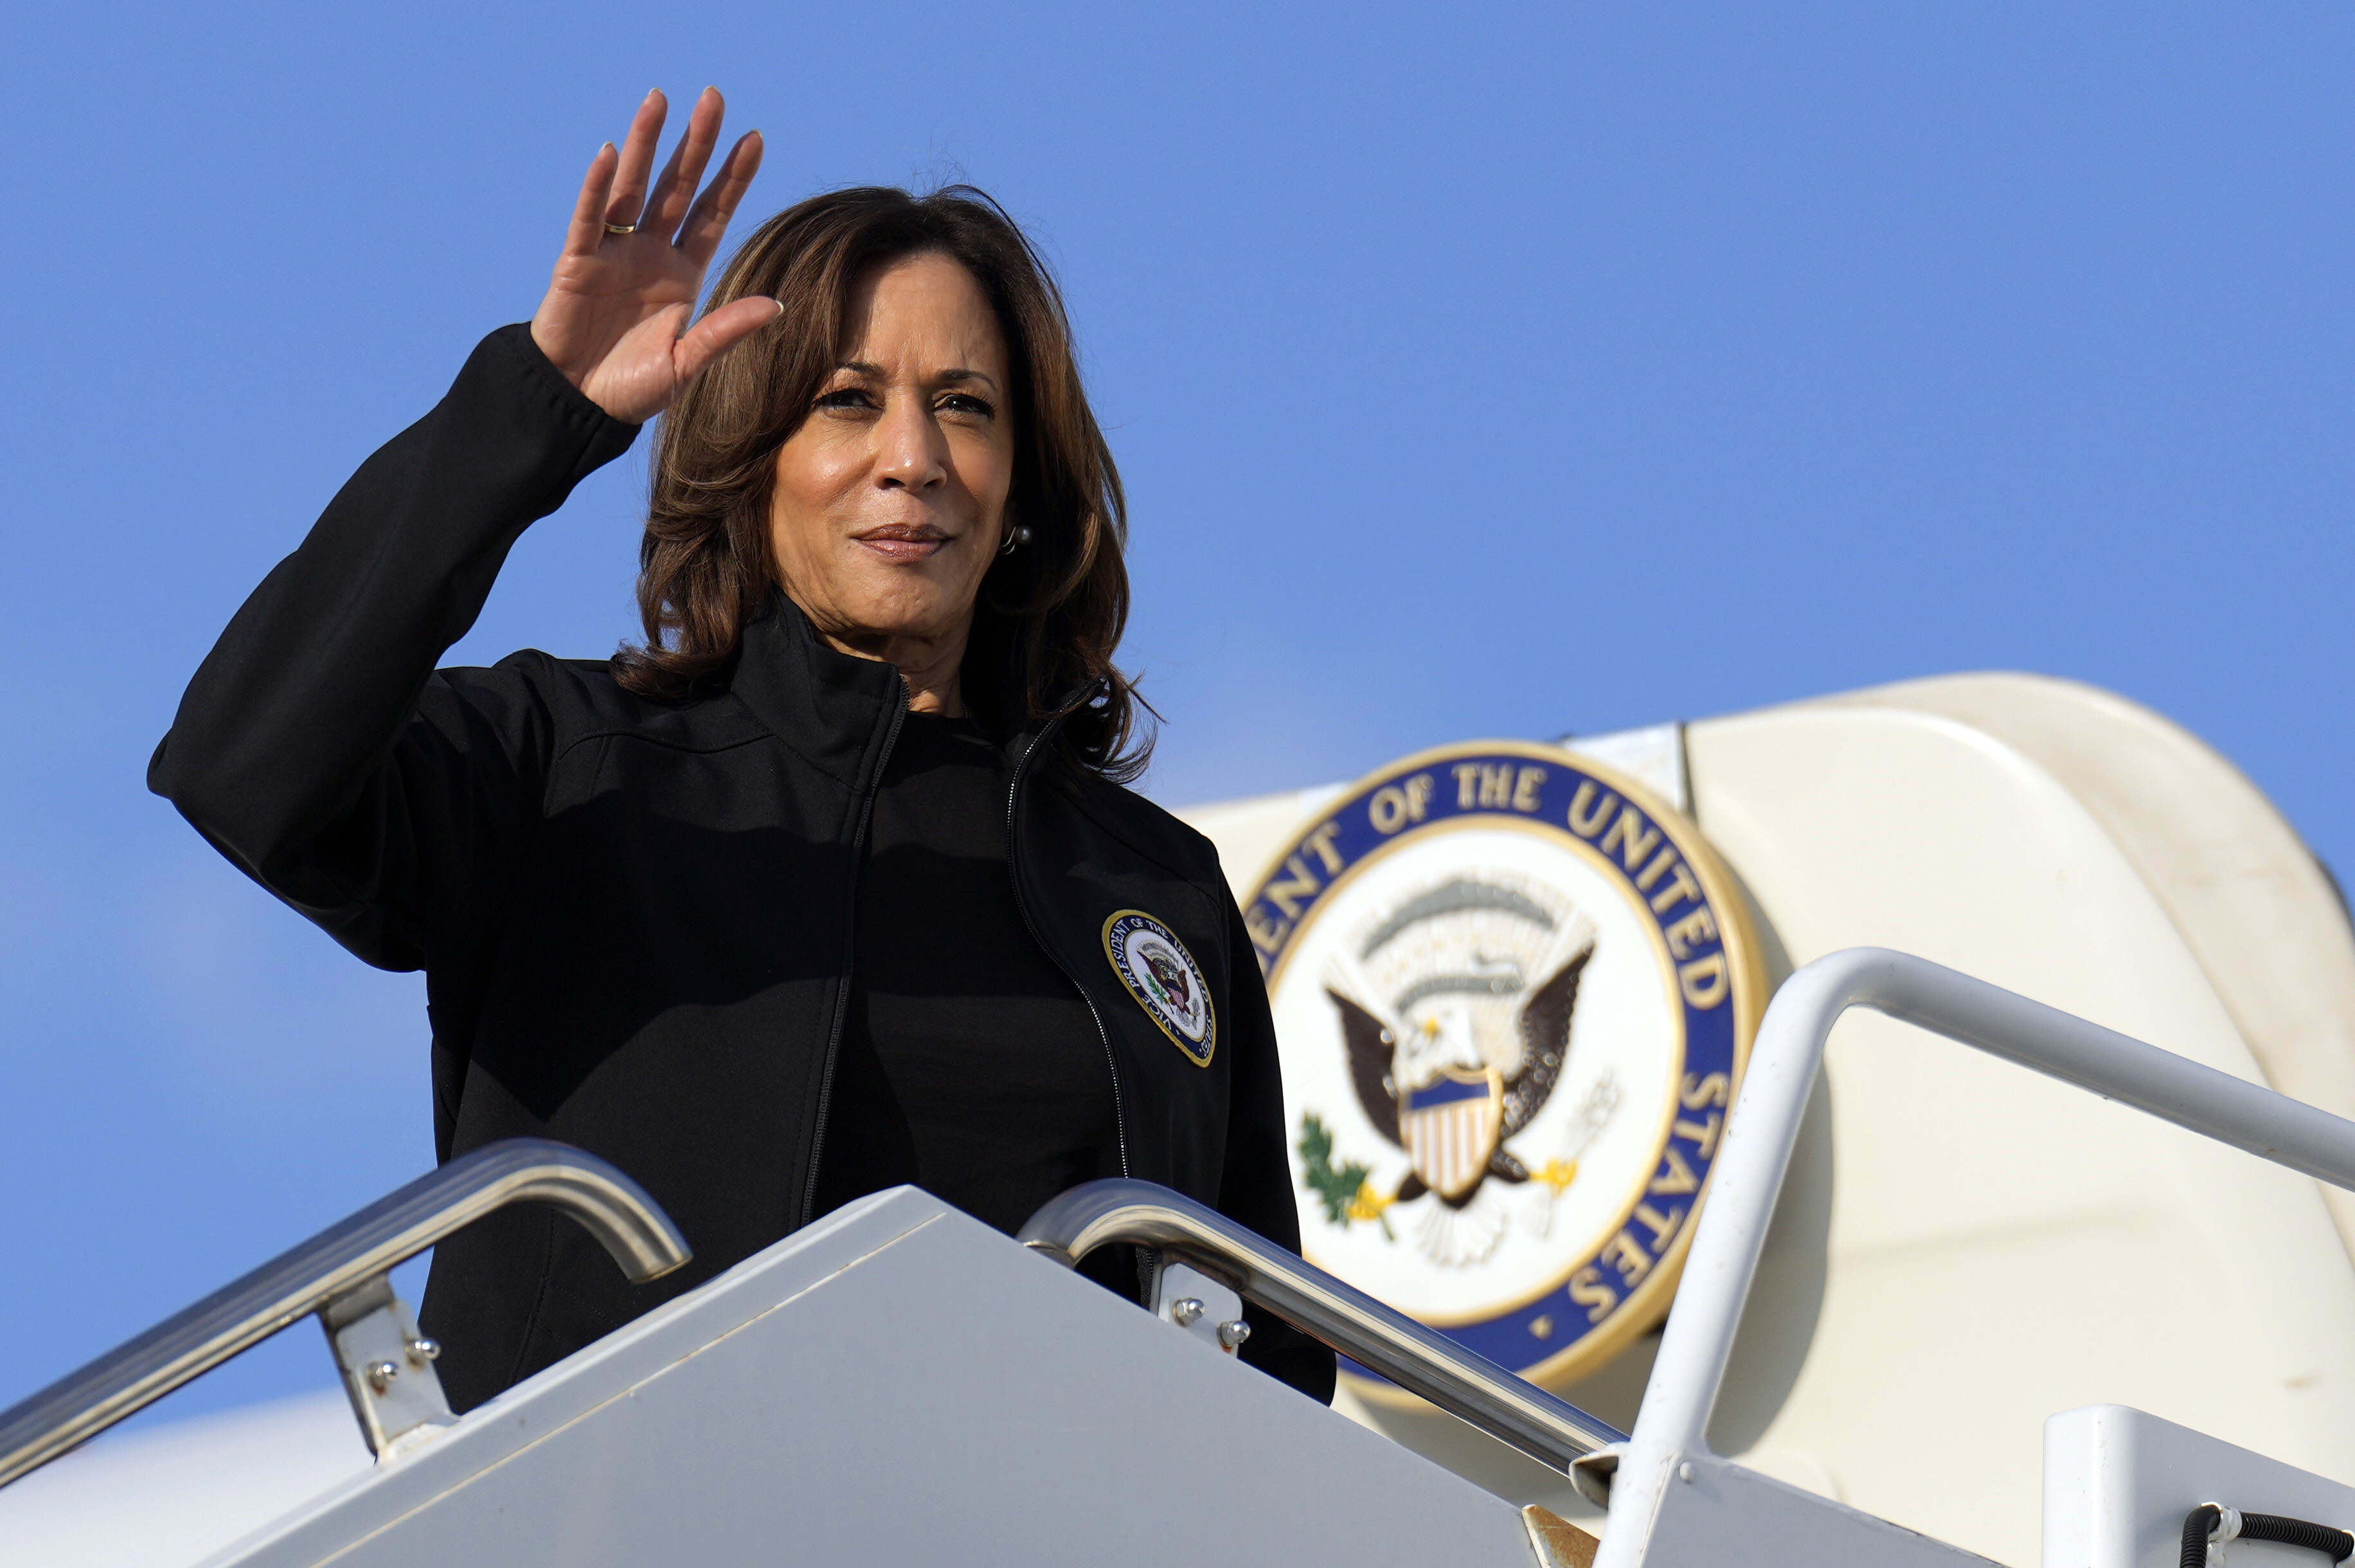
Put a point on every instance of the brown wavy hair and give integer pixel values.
(1050, 613)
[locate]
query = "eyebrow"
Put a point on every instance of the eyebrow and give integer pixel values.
(865, 368)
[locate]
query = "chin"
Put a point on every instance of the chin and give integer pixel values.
(905, 611)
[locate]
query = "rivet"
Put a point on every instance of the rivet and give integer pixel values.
(1684, 1471)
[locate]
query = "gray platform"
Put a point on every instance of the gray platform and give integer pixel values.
(899, 1383)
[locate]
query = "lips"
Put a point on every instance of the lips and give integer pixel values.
(902, 543)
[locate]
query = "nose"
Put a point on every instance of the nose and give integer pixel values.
(911, 449)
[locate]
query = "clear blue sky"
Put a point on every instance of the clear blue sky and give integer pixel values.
(1474, 370)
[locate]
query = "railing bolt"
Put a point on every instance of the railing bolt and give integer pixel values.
(1233, 1335)
(422, 1351)
(1186, 1312)
(381, 1373)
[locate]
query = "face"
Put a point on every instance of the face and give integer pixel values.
(890, 501)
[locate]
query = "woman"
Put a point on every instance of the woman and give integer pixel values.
(830, 885)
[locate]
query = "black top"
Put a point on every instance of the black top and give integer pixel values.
(969, 1065)
(636, 918)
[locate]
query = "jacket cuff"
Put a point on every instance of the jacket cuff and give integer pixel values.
(604, 437)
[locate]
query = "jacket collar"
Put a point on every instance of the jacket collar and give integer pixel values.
(832, 708)
(835, 709)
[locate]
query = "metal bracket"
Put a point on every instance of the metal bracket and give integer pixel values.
(388, 1368)
(1201, 1307)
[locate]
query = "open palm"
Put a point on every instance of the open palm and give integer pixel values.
(614, 320)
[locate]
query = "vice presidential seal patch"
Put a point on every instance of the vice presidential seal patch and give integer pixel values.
(1165, 980)
(1513, 994)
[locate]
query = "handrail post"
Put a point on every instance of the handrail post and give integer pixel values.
(387, 1367)
(1760, 1134)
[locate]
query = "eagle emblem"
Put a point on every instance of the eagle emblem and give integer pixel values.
(1455, 1009)
(1429, 1089)
(1163, 966)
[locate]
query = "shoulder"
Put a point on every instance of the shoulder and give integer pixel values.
(1153, 832)
(581, 700)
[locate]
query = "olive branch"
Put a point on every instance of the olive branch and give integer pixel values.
(1343, 1191)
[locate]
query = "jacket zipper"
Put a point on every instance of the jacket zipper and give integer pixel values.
(1014, 871)
(842, 994)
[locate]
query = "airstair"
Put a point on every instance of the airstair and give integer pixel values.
(899, 1383)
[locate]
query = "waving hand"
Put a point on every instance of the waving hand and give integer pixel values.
(614, 320)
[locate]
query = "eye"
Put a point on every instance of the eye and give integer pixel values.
(966, 403)
(847, 398)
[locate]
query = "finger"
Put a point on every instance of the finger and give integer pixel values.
(587, 230)
(629, 195)
(720, 331)
(672, 193)
(708, 224)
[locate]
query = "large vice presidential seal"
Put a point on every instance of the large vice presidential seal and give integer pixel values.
(1514, 993)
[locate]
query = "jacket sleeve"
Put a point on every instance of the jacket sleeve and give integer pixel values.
(1255, 1188)
(317, 748)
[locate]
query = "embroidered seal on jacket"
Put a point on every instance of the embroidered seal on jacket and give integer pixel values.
(1165, 980)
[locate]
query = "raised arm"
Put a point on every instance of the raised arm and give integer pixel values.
(316, 747)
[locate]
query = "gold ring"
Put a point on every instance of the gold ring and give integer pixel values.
(621, 228)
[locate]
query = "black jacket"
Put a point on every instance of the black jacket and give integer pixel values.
(634, 918)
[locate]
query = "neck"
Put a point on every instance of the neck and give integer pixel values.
(930, 666)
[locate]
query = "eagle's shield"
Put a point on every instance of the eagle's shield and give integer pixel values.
(1449, 1128)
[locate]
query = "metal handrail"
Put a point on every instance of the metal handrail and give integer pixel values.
(339, 1259)
(1419, 1360)
(1764, 1127)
